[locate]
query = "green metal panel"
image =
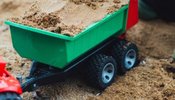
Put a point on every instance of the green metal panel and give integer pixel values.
(59, 50)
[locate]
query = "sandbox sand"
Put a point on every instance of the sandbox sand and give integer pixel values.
(68, 17)
(152, 79)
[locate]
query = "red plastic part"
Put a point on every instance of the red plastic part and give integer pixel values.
(123, 36)
(2, 66)
(7, 82)
(133, 16)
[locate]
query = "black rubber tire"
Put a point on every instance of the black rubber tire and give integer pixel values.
(95, 68)
(119, 50)
(9, 96)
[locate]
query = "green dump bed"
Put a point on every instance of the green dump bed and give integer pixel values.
(59, 50)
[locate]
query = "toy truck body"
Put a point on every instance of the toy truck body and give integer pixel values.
(102, 45)
(59, 50)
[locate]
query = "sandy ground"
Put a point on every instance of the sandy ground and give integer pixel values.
(68, 17)
(152, 79)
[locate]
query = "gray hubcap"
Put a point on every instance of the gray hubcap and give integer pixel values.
(108, 73)
(130, 59)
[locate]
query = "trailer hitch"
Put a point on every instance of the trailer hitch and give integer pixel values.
(41, 74)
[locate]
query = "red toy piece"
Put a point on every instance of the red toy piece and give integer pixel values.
(7, 82)
(133, 15)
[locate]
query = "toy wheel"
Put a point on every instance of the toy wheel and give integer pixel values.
(101, 71)
(126, 55)
(9, 96)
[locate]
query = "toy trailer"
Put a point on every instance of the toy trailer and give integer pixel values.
(101, 47)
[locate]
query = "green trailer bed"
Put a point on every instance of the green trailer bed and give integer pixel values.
(59, 50)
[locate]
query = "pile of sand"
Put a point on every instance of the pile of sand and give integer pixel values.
(68, 16)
